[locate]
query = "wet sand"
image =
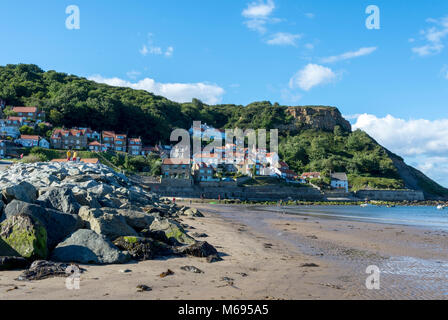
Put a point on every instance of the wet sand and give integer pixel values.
(263, 258)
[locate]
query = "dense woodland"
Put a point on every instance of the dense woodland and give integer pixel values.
(74, 101)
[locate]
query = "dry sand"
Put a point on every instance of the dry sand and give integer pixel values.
(262, 260)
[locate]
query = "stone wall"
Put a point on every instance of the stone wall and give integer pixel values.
(254, 193)
(177, 182)
(390, 195)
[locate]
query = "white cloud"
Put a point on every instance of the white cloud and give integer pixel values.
(407, 137)
(444, 72)
(180, 92)
(155, 50)
(435, 167)
(350, 55)
(421, 141)
(290, 97)
(133, 74)
(311, 76)
(258, 15)
(434, 37)
(144, 51)
(258, 25)
(284, 39)
(259, 9)
(310, 15)
(169, 51)
(309, 46)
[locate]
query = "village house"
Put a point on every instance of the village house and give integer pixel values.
(203, 172)
(30, 113)
(210, 159)
(7, 130)
(95, 146)
(68, 139)
(207, 132)
(339, 180)
(146, 151)
(90, 134)
(43, 143)
(115, 142)
(120, 142)
(28, 141)
(176, 168)
(16, 121)
(288, 174)
(310, 175)
(108, 139)
(135, 146)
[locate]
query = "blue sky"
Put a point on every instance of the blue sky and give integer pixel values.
(287, 51)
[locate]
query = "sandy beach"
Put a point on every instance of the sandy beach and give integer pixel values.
(268, 255)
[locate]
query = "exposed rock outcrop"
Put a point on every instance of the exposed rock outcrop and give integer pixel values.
(85, 213)
(88, 247)
(23, 236)
(316, 117)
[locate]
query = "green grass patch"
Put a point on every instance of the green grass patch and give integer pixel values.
(376, 183)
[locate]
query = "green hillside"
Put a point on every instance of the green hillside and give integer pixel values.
(312, 138)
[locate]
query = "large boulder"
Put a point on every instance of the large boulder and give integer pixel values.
(143, 248)
(13, 263)
(201, 249)
(88, 247)
(59, 225)
(106, 223)
(24, 191)
(173, 231)
(42, 269)
(193, 212)
(61, 199)
(101, 190)
(85, 198)
(23, 236)
(136, 219)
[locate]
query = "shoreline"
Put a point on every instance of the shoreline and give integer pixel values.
(236, 202)
(268, 255)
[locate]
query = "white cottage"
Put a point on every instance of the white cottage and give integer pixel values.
(339, 180)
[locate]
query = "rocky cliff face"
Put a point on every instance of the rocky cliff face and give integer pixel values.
(417, 180)
(319, 118)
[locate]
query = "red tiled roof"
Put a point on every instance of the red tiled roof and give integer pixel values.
(288, 172)
(15, 118)
(95, 143)
(138, 140)
(121, 135)
(309, 174)
(175, 161)
(71, 132)
(28, 137)
(92, 160)
(24, 109)
(283, 164)
(109, 134)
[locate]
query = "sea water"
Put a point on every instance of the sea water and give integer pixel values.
(420, 216)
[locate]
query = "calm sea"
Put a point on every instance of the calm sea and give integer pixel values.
(411, 216)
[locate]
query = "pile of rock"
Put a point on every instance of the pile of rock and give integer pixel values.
(88, 214)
